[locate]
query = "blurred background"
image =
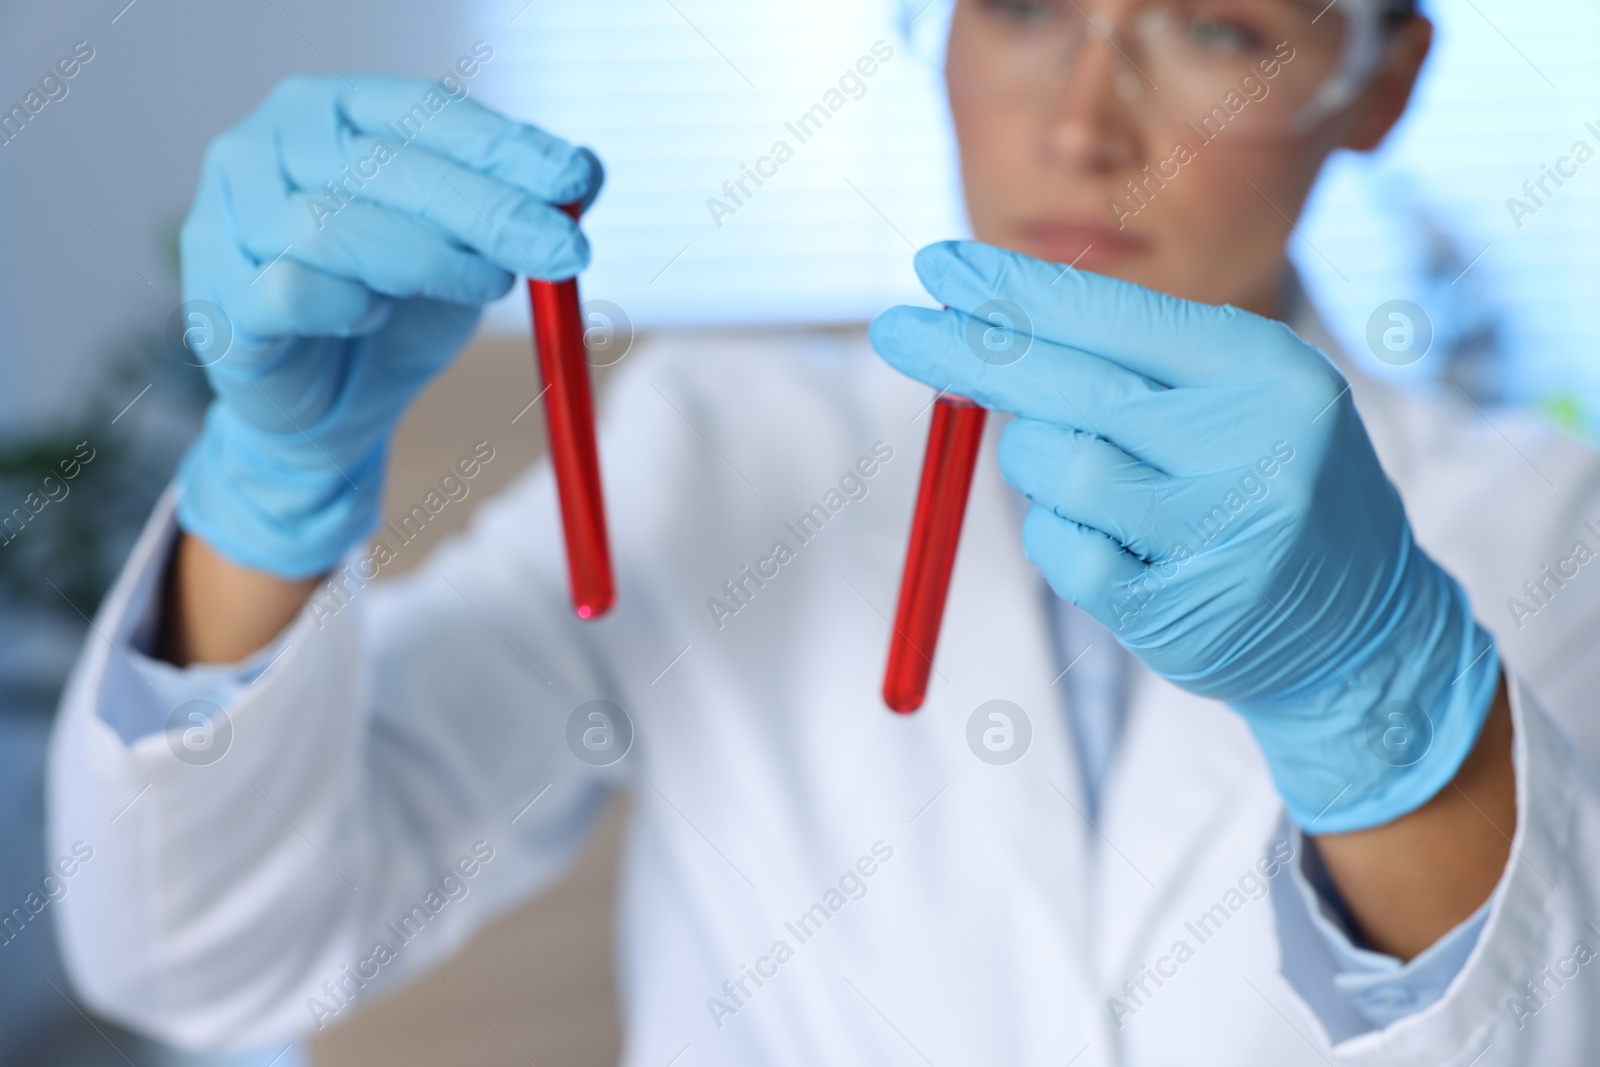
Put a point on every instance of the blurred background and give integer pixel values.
(678, 97)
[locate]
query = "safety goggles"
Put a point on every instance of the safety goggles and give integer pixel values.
(1255, 68)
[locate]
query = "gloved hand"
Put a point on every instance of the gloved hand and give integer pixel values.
(1201, 483)
(349, 234)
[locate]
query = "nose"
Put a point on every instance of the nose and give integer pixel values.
(1088, 124)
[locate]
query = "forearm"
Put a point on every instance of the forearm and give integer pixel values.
(1408, 882)
(216, 611)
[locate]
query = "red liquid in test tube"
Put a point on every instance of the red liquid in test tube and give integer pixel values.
(569, 414)
(954, 437)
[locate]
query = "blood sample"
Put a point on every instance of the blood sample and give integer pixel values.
(954, 436)
(569, 415)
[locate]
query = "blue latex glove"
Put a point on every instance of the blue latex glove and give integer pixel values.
(1201, 483)
(342, 304)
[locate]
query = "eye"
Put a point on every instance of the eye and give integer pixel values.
(1023, 12)
(1211, 34)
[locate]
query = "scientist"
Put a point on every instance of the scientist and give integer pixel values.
(1265, 775)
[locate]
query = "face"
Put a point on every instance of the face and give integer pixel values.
(1170, 144)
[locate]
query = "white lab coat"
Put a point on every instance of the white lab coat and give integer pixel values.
(429, 717)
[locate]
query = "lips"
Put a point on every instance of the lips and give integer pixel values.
(1092, 246)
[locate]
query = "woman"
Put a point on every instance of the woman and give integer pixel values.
(1281, 818)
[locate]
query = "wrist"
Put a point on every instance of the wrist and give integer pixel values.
(277, 503)
(1395, 722)
(1409, 882)
(216, 612)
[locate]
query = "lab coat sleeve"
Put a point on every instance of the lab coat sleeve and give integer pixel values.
(391, 774)
(1354, 989)
(1526, 989)
(147, 695)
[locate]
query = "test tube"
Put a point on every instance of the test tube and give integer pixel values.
(569, 415)
(954, 436)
